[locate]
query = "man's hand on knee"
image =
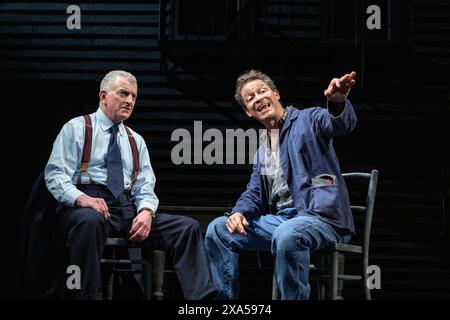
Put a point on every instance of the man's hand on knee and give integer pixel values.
(236, 223)
(98, 204)
(141, 226)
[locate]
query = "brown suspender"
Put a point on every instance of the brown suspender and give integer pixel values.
(134, 151)
(86, 157)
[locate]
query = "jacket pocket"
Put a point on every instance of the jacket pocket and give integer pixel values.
(324, 200)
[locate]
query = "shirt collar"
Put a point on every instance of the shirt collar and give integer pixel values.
(280, 122)
(288, 117)
(283, 118)
(105, 122)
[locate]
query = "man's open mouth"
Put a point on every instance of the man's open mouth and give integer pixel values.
(263, 107)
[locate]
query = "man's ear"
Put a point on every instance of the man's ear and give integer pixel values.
(276, 94)
(102, 95)
(247, 113)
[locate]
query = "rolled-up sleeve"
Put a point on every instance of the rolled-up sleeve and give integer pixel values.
(249, 203)
(330, 123)
(143, 193)
(62, 165)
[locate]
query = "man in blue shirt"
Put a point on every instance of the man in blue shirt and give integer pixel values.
(106, 200)
(296, 201)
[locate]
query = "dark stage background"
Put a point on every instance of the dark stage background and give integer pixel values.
(187, 55)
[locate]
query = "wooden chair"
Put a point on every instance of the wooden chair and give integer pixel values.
(330, 266)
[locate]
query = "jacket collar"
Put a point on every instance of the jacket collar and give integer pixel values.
(291, 116)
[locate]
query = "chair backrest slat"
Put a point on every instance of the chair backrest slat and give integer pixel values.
(358, 208)
(351, 175)
(372, 191)
(367, 210)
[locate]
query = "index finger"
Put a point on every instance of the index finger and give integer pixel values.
(105, 207)
(134, 227)
(344, 77)
(135, 236)
(348, 76)
(230, 226)
(241, 229)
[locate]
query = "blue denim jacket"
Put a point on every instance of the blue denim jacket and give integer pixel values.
(306, 151)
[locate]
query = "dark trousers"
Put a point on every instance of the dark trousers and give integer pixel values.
(86, 231)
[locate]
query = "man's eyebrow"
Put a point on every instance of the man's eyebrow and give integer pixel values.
(256, 89)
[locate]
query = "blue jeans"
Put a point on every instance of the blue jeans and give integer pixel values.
(290, 237)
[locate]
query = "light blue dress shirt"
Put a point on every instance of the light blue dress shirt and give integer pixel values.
(63, 167)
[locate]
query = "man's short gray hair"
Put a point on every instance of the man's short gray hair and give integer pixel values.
(111, 78)
(249, 76)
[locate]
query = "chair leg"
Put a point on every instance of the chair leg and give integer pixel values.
(322, 291)
(332, 295)
(341, 265)
(159, 264)
(321, 283)
(320, 287)
(364, 281)
(110, 286)
(366, 289)
(146, 279)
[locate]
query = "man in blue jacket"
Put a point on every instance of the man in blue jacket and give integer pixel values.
(296, 201)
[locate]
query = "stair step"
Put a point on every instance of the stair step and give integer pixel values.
(84, 7)
(50, 18)
(65, 41)
(111, 31)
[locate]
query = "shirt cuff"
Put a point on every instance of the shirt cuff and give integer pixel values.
(71, 197)
(146, 204)
(152, 213)
(336, 109)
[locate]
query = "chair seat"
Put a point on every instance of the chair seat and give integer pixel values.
(343, 247)
(123, 242)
